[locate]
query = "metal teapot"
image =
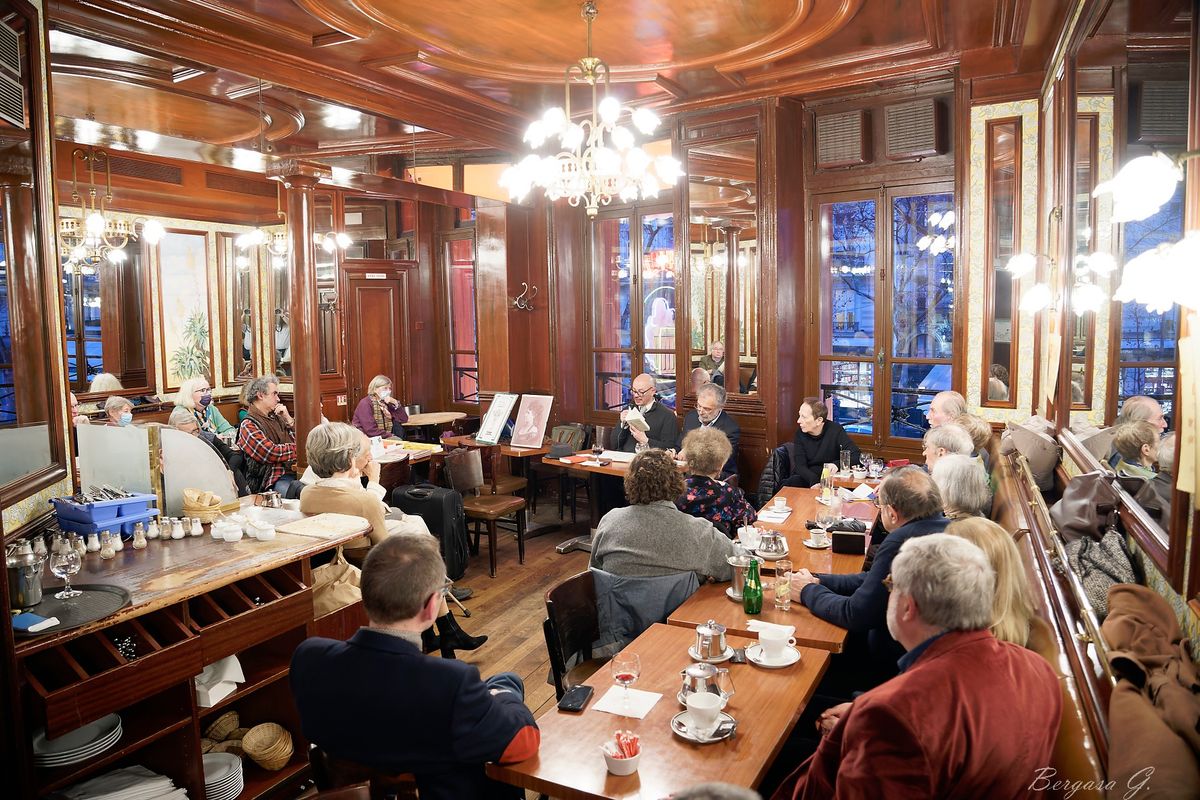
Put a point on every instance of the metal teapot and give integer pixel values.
(270, 500)
(771, 543)
(24, 576)
(706, 678)
(740, 564)
(710, 640)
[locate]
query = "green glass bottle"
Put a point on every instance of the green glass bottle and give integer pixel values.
(752, 592)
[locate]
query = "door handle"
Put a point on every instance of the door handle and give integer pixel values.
(879, 360)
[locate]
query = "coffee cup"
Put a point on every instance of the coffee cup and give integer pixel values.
(703, 708)
(779, 504)
(859, 474)
(818, 538)
(773, 642)
(749, 536)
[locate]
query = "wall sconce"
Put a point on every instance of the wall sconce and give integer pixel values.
(276, 243)
(332, 242)
(1144, 185)
(1166, 275)
(327, 300)
(521, 301)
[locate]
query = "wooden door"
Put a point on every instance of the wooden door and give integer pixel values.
(377, 332)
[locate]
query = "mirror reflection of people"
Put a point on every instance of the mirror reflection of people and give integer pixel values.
(1138, 408)
(998, 382)
(714, 362)
(1164, 481)
(1137, 444)
(819, 441)
(185, 420)
(267, 437)
(105, 382)
(196, 396)
(379, 413)
(118, 412)
(77, 418)
(699, 378)
(660, 335)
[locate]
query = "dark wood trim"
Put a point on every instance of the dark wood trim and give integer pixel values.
(989, 278)
(1183, 510)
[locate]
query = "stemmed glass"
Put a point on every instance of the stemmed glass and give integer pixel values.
(64, 564)
(626, 667)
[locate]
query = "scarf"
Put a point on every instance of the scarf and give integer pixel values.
(271, 427)
(383, 419)
(201, 415)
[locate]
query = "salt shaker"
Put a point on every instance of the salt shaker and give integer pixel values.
(93, 542)
(79, 545)
(139, 537)
(39, 545)
(197, 527)
(118, 542)
(152, 528)
(177, 529)
(106, 546)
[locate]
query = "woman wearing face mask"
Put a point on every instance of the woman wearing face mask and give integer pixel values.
(380, 414)
(119, 411)
(196, 396)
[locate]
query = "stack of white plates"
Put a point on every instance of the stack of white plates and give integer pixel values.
(78, 745)
(223, 779)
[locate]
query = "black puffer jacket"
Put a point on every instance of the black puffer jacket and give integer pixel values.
(777, 470)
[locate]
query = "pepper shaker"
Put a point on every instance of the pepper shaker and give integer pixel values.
(139, 537)
(118, 542)
(39, 545)
(79, 545)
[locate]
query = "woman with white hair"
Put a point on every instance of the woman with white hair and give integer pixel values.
(380, 414)
(963, 486)
(945, 440)
(339, 454)
(105, 382)
(119, 411)
(195, 395)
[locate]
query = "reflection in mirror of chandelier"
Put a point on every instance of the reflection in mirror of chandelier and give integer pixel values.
(94, 237)
(598, 159)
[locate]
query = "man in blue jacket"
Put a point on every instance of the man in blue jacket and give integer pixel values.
(377, 700)
(909, 506)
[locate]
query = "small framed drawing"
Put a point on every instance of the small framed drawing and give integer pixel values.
(494, 420)
(531, 420)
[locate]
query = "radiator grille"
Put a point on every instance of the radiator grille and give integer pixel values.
(10, 50)
(840, 139)
(12, 101)
(913, 129)
(145, 170)
(232, 183)
(1164, 111)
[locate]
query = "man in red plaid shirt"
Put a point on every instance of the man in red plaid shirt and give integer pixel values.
(267, 437)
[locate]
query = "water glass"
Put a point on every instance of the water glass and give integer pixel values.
(845, 460)
(625, 667)
(783, 585)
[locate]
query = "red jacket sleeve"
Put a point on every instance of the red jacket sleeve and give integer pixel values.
(497, 728)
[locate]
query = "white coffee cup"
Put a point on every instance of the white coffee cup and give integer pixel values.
(859, 474)
(780, 504)
(773, 642)
(818, 538)
(749, 536)
(703, 708)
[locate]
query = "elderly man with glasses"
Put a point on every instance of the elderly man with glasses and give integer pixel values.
(659, 418)
(710, 413)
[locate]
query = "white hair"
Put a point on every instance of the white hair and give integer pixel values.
(332, 447)
(963, 484)
(186, 389)
(954, 404)
(181, 416)
(949, 579)
(952, 438)
(1166, 454)
(717, 393)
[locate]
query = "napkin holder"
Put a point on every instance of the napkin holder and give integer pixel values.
(848, 543)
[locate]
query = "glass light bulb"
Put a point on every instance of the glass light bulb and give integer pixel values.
(535, 134)
(1102, 263)
(343, 240)
(1141, 187)
(650, 186)
(935, 218)
(607, 161)
(1021, 264)
(257, 236)
(947, 220)
(572, 137)
(79, 252)
(668, 168)
(329, 244)
(645, 120)
(94, 224)
(610, 110)
(1086, 297)
(924, 242)
(241, 262)
(153, 231)
(554, 120)
(637, 161)
(622, 139)
(116, 255)
(1037, 298)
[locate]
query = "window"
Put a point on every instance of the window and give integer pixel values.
(460, 291)
(887, 309)
(633, 313)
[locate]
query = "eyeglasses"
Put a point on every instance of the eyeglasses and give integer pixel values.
(643, 392)
(888, 583)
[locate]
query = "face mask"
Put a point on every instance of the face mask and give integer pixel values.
(205, 399)
(384, 394)
(126, 419)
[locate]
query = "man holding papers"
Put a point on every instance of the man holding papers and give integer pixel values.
(646, 423)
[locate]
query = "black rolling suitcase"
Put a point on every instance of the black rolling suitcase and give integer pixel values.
(442, 510)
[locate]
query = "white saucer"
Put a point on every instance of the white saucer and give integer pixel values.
(776, 508)
(754, 655)
(737, 598)
(815, 546)
(771, 556)
(679, 724)
(728, 654)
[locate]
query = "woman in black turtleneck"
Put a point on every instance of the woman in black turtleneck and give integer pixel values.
(819, 441)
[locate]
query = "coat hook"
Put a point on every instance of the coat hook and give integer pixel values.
(522, 301)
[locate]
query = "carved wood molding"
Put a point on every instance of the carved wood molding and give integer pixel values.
(344, 18)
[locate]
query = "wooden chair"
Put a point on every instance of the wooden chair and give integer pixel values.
(572, 624)
(332, 773)
(359, 791)
(484, 508)
(574, 435)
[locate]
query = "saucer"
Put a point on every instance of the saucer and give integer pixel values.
(810, 546)
(679, 724)
(754, 655)
(772, 556)
(728, 654)
(737, 598)
(777, 508)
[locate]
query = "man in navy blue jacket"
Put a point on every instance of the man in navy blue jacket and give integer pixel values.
(710, 411)
(377, 700)
(909, 506)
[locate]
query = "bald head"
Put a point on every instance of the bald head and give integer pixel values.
(944, 407)
(643, 389)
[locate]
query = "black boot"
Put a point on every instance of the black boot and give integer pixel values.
(455, 638)
(429, 640)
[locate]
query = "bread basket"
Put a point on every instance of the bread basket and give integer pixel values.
(225, 724)
(269, 745)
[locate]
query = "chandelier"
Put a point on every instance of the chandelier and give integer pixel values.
(94, 238)
(598, 159)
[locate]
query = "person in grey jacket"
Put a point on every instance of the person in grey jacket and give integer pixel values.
(651, 537)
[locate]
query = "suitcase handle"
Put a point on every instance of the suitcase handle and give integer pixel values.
(417, 494)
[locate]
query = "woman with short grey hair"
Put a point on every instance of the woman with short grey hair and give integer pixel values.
(184, 420)
(945, 440)
(119, 411)
(963, 486)
(959, 571)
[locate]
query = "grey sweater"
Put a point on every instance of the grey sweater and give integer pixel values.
(645, 541)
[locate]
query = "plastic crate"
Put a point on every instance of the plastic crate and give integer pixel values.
(101, 510)
(123, 524)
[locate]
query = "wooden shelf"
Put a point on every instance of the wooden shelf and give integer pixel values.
(261, 782)
(263, 664)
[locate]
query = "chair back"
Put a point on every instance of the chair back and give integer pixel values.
(330, 773)
(572, 625)
(464, 469)
(626, 606)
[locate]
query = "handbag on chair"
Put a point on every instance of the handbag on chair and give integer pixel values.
(464, 469)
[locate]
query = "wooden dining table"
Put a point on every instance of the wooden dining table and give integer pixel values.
(766, 704)
(711, 601)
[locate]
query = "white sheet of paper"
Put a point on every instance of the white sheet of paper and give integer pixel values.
(618, 455)
(757, 625)
(773, 516)
(862, 491)
(639, 706)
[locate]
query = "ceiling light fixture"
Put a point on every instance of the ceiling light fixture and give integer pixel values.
(276, 242)
(598, 159)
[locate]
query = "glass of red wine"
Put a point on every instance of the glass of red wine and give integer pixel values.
(626, 667)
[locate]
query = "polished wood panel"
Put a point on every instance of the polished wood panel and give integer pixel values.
(377, 331)
(492, 311)
(766, 705)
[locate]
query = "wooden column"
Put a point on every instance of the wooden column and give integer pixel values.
(299, 180)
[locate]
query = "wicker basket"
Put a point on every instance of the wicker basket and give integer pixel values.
(226, 724)
(270, 745)
(233, 746)
(239, 733)
(206, 745)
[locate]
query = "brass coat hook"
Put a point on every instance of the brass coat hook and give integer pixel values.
(523, 302)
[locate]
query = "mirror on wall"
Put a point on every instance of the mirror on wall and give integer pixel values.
(380, 228)
(1084, 242)
(239, 271)
(723, 297)
(1000, 306)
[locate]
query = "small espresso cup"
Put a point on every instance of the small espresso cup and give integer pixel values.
(779, 504)
(703, 708)
(773, 643)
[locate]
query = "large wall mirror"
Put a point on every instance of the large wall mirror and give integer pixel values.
(239, 279)
(723, 264)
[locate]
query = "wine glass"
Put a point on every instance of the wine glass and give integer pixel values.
(626, 667)
(64, 564)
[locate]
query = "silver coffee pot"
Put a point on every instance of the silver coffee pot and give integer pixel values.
(706, 678)
(24, 576)
(710, 640)
(772, 543)
(740, 564)
(270, 500)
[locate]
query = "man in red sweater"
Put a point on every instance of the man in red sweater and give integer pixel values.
(968, 717)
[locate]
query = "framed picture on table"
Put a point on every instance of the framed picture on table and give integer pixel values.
(531, 420)
(496, 417)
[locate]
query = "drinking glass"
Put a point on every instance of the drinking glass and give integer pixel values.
(844, 460)
(783, 585)
(626, 667)
(64, 564)
(598, 441)
(825, 516)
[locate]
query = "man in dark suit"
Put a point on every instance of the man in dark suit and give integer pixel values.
(376, 700)
(661, 420)
(969, 715)
(710, 413)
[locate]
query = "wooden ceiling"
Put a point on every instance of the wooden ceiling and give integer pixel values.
(344, 78)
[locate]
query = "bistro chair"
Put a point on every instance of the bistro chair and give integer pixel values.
(464, 474)
(331, 773)
(572, 625)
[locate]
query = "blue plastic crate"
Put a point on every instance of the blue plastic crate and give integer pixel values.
(123, 524)
(101, 510)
